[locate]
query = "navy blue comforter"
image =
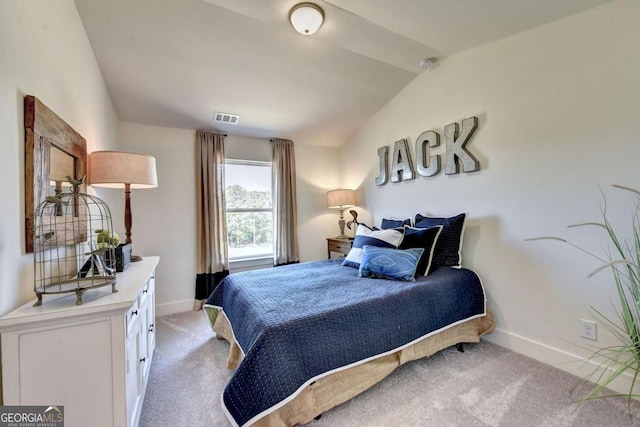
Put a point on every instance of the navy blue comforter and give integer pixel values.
(297, 322)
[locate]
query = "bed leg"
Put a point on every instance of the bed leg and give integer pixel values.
(460, 347)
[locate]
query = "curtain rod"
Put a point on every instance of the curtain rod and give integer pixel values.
(212, 131)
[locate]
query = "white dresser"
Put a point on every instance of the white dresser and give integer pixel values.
(93, 359)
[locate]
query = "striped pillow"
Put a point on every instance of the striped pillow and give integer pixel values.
(425, 238)
(380, 238)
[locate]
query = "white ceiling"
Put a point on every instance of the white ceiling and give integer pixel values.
(175, 62)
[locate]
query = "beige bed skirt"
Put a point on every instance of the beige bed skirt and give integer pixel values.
(340, 386)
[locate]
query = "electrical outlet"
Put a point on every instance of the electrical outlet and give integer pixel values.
(589, 329)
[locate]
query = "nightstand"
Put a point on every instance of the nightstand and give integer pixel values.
(341, 246)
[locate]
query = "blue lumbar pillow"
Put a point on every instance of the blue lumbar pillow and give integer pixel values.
(399, 264)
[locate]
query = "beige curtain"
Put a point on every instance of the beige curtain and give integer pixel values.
(284, 203)
(212, 252)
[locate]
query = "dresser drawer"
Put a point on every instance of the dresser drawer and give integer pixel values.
(342, 246)
(145, 291)
(132, 315)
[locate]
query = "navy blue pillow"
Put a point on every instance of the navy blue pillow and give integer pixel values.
(448, 251)
(399, 264)
(425, 238)
(394, 223)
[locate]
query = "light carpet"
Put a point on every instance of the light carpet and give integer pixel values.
(487, 385)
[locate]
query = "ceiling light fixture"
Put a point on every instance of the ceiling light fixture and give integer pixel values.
(429, 63)
(306, 18)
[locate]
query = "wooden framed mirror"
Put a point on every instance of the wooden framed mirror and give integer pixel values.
(53, 151)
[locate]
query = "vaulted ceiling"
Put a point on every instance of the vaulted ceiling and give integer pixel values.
(174, 63)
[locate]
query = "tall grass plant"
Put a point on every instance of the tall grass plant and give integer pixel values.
(622, 358)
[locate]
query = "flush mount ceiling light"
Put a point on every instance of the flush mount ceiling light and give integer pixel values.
(306, 18)
(429, 63)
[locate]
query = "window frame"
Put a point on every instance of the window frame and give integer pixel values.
(250, 261)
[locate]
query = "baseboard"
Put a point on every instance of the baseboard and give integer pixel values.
(555, 357)
(174, 307)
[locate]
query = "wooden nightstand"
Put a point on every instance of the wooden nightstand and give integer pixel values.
(341, 246)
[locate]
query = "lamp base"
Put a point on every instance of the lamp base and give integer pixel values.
(341, 224)
(136, 258)
(343, 237)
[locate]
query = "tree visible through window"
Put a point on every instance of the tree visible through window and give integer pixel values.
(249, 209)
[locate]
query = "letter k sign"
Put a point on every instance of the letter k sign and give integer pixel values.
(455, 147)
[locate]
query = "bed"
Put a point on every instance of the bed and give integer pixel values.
(307, 337)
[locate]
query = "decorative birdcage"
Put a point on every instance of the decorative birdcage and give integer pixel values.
(73, 245)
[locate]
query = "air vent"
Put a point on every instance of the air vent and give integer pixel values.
(231, 119)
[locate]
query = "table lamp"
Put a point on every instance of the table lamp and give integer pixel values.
(119, 169)
(341, 199)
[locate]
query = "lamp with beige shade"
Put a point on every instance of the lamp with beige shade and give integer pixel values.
(341, 199)
(119, 169)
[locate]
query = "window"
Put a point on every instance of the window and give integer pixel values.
(249, 209)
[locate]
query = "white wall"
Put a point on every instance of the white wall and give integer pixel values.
(559, 110)
(317, 169)
(164, 219)
(44, 51)
(247, 148)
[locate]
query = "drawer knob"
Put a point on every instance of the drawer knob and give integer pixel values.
(144, 359)
(144, 291)
(134, 313)
(151, 327)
